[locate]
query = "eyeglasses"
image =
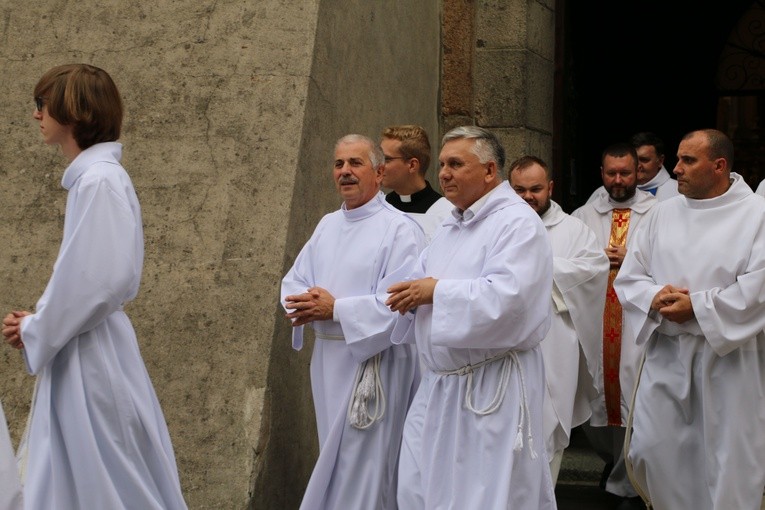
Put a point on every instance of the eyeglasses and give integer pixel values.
(388, 159)
(39, 103)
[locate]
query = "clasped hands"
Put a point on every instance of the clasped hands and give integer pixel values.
(12, 328)
(673, 303)
(410, 294)
(317, 304)
(615, 255)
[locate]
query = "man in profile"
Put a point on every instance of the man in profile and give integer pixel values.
(580, 274)
(692, 289)
(361, 383)
(407, 158)
(481, 291)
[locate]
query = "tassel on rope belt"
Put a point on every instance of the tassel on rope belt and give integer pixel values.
(508, 359)
(367, 386)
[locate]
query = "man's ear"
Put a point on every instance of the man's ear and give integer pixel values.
(721, 165)
(414, 165)
(491, 171)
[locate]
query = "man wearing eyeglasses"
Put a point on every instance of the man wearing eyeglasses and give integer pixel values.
(407, 157)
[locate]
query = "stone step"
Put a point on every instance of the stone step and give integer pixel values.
(580, 464)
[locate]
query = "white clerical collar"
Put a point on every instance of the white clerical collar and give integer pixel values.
(405, 198)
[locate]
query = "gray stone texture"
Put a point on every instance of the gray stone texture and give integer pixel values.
(232, 110)
(512, 73)
(458, 47)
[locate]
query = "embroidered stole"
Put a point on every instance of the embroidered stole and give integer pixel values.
(612, 325)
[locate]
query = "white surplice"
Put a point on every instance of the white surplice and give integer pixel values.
(580, 276)
(494, 271)
(352, 254)
(597, 215)
(699, 420)
(98, 438)
(10, 486)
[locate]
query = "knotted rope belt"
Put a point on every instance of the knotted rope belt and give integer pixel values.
(507, 359)
(367, 387)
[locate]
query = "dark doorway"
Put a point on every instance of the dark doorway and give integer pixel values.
(629, 66)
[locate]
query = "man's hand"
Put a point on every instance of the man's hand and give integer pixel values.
(316, 304)
(405, 296)
(12, 328)
(673, 303)
(616, 255)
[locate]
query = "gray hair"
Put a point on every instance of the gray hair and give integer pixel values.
(486, 148)
(376, 155)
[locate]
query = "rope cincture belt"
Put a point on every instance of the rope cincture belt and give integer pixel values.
(367, 386)
(508, 359)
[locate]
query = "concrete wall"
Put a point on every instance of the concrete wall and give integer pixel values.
(232, 111)
(373, 66)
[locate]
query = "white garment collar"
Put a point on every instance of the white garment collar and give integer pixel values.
(107, 151)
(553, 215)
(365, 210)
(471, 212)
(738, 190)
(640, 203)
(660, 178)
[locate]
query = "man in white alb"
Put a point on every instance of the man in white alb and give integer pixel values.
(477, 305)
(361, 383)
(580, 275)
(614, 217)
(692, 290)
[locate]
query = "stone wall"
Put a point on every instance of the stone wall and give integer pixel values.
(498, 71)
(232, 110)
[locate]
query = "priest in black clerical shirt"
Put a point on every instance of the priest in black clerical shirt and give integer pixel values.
(407, 156)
